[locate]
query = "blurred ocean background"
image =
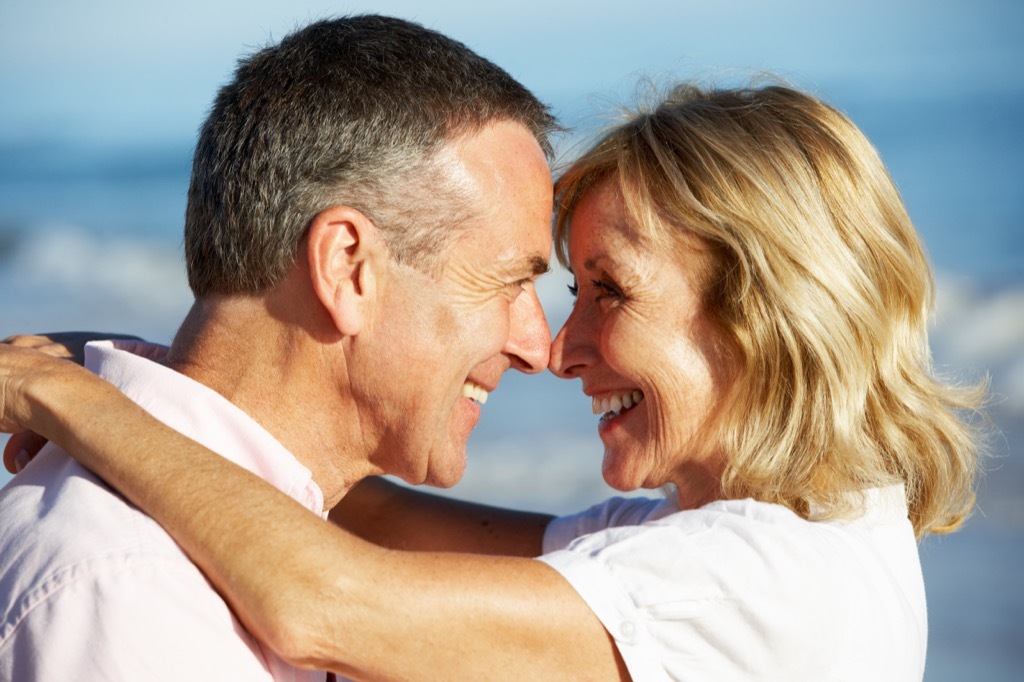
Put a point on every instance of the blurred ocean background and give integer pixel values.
(100, 101)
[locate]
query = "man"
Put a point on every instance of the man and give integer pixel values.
(368, 211)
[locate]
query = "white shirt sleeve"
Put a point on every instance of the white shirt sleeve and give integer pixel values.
(617, 511)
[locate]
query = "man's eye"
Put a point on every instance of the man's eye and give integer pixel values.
(515, 288)
(574, 288)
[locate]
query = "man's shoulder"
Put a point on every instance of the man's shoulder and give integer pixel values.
(60, 522)
(85, 573)
(113, 602)
(201, 413)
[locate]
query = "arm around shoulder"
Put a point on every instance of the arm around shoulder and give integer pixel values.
(385, 613)
(399, 517)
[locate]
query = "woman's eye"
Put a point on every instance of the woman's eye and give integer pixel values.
(606, 289)
(602, 289)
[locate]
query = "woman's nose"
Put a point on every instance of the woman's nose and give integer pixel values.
(571, 350)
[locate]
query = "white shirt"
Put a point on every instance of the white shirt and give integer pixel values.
(742, 590)
(93, 589)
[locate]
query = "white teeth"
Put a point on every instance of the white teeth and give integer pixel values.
(616, 403)
(474, 392)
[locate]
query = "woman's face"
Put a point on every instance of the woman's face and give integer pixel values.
(645, 351)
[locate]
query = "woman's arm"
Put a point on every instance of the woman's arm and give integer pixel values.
(399, 517)
(22, 447)
(318, 596)
(386, 514)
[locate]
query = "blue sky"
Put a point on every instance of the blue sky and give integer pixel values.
(125, 71)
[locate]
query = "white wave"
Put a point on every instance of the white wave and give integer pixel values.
(130, 269)
(977, 330)
(977, 326)
(61, 277)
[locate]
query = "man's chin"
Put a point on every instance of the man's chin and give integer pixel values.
(440, 472)
(446, 478)
(445, 470)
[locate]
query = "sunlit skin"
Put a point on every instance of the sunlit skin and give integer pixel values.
(466, 327)
(638, 325)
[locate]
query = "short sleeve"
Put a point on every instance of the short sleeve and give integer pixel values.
(617, 511)
(614, 607)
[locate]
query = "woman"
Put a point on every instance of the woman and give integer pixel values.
(750, 322)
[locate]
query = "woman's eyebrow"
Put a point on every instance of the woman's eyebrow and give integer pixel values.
(593, 262)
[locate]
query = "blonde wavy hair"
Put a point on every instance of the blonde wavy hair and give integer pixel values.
(820, 286)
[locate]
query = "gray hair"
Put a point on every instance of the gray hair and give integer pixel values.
(348, 111)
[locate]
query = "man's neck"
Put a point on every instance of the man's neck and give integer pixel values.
(273, 372)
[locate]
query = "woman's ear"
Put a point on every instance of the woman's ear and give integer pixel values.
(345, 250)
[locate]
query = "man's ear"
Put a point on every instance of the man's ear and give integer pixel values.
(345, 250)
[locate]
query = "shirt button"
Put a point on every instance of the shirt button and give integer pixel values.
(627, 631)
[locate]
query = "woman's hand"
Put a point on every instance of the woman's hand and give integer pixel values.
(21, 448)
(23, 370)
(23, 445)
(68, 345)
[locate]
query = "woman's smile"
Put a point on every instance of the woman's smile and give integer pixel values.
(640, 341)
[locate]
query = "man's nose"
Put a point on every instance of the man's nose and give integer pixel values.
(529, 339)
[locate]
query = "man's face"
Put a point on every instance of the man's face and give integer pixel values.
(440, 344)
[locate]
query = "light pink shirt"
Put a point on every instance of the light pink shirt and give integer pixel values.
(93, 589)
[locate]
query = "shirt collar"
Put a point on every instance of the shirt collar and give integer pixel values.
(199, 412)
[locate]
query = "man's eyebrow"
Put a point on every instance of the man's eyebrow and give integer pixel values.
(524, 268)
(539, 266)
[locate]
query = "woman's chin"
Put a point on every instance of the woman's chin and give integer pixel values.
(619, 474)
